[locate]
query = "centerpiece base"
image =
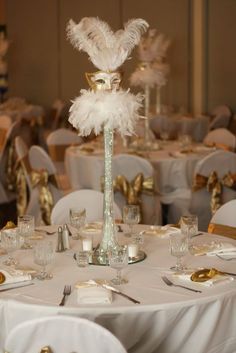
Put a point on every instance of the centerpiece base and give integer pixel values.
(102, 259)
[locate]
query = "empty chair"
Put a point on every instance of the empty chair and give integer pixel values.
(222, 138)
(40, 162)
(61, 334)
(210, 190)
(91, 200)
(221, 117)
(223, 221)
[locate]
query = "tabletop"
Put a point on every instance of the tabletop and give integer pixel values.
(168, 320)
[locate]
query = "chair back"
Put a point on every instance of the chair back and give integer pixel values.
(91, 200)
(221, 162)
(5, 122)
(226, 214)
(222, 137)
(221, 117)
(61, 334)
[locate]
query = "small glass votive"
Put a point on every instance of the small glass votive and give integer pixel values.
(25, 225)
(82, 258)
(133, 250)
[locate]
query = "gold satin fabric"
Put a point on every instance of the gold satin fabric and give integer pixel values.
(10, 167)
(3, 135)
(214, 186)
(221, 229)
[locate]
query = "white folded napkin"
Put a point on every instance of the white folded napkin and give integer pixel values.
(91, 293)
(217, 279)
(14, 276)
(161, 231)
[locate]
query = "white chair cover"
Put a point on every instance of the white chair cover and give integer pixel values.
(226, 214)
(39, 159)
(91, 200)
(199, 202)
(130, 166)
(222, 136)
(62, 334)
(221, 117)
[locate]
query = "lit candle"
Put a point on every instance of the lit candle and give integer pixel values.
(133, 250)
(87, 244)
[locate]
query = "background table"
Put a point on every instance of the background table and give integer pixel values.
(168, 320)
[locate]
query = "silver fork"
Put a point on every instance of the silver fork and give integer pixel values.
(169, 283)
(66, 292)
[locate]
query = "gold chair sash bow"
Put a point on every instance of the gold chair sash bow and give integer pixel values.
(41, 179)
(214, 186)
(3, 135)
(221, 229)
(22, 190)
(10, 166)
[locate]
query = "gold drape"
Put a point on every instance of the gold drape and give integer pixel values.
(221, 229)
(3, 135)
(10, 166)
(21, 189)
(214, 186)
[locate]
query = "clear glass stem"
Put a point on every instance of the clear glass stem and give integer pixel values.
(118, 276)
(179, 263)
(147, 103)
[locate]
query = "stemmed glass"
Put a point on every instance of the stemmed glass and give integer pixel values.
(11, 241)
(118, 259)
(178, 248)
(25, 224)
(131, 216)
(189, 226)
(44, 254)
(77, 220)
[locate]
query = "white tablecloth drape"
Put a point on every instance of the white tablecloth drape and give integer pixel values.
(168, 320)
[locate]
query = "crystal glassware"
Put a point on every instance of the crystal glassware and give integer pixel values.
(131, 216)
(44, 254)
(11, 240)
(189, 226)
(118, 259)
(178, 248)
(77, 220)
(25, 224)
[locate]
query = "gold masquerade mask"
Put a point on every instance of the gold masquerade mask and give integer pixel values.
(104, 81)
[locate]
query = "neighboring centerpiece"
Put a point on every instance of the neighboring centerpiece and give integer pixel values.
(106, 107)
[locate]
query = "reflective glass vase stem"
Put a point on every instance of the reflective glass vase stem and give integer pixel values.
(146, 112)
(108, 240)
(158, 100)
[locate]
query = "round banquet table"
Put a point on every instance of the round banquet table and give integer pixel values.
(173, 170)
(168, 320)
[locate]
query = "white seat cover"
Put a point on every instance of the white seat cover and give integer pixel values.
(62, 334)
(221, 135)
(91, 200)
(226, 214)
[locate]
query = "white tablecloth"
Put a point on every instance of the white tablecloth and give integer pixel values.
(168, 320)
(173, 171)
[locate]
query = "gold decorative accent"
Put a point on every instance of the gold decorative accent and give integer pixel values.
(3, 134)
(46, 349)
(9, 225)
(221, 146)
(221, 229)
(2, 278)
(10, 164)
(21, 189)
(214, 186)
(41, 179)
(104, 80)
(205, 274)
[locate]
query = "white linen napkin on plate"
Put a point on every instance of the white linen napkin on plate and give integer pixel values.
(215, 248)
(160, 231)
(217, 279)
(14, 276)
(91, 293)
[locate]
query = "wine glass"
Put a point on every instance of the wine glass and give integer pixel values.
(11, 241)
(25, 224)
(118, 259)
(178, 248)
(189, 226)
(44, 254)
(77, 220)
(131, 216)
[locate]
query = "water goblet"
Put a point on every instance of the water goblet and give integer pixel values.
(77, 220)
(189, 226)
(25, 224)
(131, 216)
(178, 248)
(118, 259)
(11, 240)
(44, 254)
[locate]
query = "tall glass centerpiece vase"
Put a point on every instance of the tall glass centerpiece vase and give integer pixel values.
(106, 107)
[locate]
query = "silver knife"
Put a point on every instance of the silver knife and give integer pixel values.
(18, 286)
(120, 293)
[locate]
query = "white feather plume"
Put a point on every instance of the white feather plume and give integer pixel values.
(143, 77)
(92, 110)
(107, 50)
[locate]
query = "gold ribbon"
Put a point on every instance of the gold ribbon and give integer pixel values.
(221, 229)
(221, 146)
(41, 179)
(10, 166)
(3, 135)
(22, 191)
(214, 186)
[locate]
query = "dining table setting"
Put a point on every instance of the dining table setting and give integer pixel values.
(156, 308)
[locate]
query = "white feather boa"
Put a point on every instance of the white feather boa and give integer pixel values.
(118, 109)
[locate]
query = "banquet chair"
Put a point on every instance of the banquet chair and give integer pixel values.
(57, 142)
(199, 201)
(5, 122)
(222, 138)
(223, 221)
(91, 200)
(61, 334)
(57, 109)
(164, 124)
(221, 117)
(130, 167)
(40, 162)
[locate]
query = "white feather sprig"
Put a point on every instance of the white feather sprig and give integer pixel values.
(143, 77)
(119, 110)
(107, 50)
